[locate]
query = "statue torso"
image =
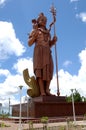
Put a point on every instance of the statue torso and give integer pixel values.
(43, 37)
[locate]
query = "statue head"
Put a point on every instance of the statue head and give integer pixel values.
(41, 20)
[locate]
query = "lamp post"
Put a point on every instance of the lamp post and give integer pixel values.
(27, 100)
(20, 126)
(9, 106)
(27, 108)
(73, 107)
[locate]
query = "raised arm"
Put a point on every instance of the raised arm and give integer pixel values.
(32, 37)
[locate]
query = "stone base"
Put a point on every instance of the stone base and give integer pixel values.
(53, 106)
(45, 106)
(50, 99)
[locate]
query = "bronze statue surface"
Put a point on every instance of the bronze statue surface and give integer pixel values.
(33, 90)
(42, 56)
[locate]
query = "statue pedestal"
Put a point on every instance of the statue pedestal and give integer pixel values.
(54, 106)
(49, 99)
(50, 106)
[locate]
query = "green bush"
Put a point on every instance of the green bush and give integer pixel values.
(44, 119)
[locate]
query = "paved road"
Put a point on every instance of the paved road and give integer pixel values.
(15, 126)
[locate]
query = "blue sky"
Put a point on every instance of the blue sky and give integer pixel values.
(16, 55)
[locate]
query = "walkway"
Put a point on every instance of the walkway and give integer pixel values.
(15, 126)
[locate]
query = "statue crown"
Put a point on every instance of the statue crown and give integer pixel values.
(41, 17)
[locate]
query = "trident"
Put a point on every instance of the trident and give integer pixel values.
(53, 11)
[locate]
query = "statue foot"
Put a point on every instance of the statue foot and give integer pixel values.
(43, 94)
(49, 94)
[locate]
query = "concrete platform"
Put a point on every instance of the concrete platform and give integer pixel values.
(53, 106)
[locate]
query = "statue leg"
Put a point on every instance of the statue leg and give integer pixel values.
(47, 88)
(41, 85)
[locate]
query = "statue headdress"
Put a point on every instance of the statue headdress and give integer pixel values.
(40, 17)
(36, 22)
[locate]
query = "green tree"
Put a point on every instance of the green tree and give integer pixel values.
(83, 99)
(76, 95)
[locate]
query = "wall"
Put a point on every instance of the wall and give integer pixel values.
(50, 109)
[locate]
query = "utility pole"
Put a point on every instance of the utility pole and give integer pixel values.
(20, 125)
(73, 107)
(9, 106)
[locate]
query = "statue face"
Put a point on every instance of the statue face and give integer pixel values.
(42, 20)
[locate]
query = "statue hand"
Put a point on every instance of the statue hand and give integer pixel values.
(55, 39)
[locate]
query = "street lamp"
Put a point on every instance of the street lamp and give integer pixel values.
(27, 99)
(73, 107)
(20, 126)
(27, 107)
(9, 106)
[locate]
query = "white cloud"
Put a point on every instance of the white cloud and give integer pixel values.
(74, 0)
(2, 2)
(9, 43)
(82, 71)
(22, 64)
(68, 81)
(4, 72)
(9, 87)
(82, 16)
(67, 63)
